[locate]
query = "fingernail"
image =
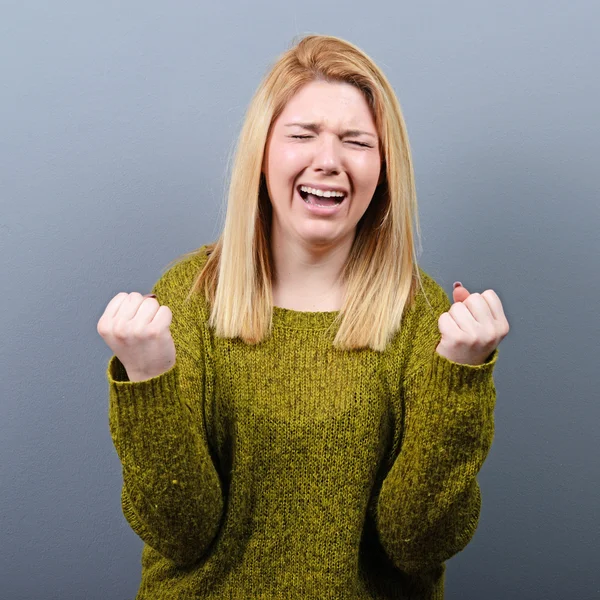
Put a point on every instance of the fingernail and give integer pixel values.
(456, 284)
(149, 295)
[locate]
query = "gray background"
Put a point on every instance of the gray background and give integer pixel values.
(116, 124)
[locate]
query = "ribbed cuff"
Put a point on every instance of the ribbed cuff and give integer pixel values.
(142, 412)
(448, 375)
(154, 387)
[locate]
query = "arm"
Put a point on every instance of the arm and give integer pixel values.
(429, 504)
(171, 495)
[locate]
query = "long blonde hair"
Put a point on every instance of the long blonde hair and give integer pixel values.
(381, 273)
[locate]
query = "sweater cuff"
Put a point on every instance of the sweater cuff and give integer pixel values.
(156, 387)
(152, 402)
(449, 375)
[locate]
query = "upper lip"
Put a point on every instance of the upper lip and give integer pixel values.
(328, 188)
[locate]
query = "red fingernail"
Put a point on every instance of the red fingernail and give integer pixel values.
(149, 295)
(456, 284)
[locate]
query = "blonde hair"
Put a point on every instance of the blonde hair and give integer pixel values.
(381, 273)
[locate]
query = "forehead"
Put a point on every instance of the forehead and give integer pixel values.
(328, 103)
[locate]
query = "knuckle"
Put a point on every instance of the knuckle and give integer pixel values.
(472, 299)
(138, 330)
(101, 328)
(116, 297)
(501, 328)
(464, 338)
(472, 339)
(152, 332)
(442, 318)
(121, 330)
(134, 298)
(491, 335)
(491, 296)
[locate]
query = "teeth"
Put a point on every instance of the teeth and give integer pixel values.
(324, 194)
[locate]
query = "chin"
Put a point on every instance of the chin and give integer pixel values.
(320, 236)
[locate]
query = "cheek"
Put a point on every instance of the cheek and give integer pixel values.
(291, 159)
(367, 170)
(285, 158)
(285, 164)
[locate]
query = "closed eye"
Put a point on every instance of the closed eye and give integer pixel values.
(305, 137)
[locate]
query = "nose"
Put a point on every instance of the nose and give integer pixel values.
(327, 158)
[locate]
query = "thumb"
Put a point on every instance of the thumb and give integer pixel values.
(459, 292)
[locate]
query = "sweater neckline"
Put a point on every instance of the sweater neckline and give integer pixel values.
(287, 317)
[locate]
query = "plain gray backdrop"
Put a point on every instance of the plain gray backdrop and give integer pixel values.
(117, 120)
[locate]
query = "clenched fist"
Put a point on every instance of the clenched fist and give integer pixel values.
(473, 327)
(136, 329)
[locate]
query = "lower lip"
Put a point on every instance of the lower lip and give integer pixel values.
(322, 210)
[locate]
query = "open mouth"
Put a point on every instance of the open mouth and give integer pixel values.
(322, 201)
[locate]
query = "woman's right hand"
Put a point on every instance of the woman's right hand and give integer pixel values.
(136, 329)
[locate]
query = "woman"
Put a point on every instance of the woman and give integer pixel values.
(299, 410)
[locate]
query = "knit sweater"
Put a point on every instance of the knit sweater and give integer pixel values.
(293, 470)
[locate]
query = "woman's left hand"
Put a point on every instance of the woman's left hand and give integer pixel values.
(473, 327)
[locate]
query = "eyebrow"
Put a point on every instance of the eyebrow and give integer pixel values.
(316, 128)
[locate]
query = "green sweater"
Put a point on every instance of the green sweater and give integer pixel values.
(293, 470)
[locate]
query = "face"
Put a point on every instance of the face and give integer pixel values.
(325, 139)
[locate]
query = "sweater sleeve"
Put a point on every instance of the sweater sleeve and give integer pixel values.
(429, 503)
(171, 494)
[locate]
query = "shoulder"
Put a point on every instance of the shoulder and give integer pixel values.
(186, 266)
(173, 287)
(431, 298)
(421, 321)
(181, 272)
(190, 312)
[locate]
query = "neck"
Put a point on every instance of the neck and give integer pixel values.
(308, 277)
